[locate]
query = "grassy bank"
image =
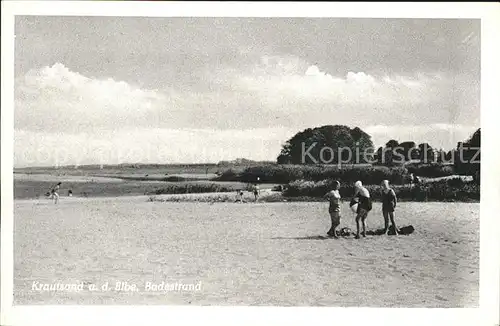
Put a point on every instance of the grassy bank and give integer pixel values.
(195, 187)
(289, 173)
(446, 190)
(227, 197)
(368, 174)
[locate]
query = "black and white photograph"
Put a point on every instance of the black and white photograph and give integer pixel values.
(246, 161)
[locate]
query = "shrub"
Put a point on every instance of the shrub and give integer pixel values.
(214, 198)
(446, 190)
(434, 170)
(174, 178)
(278, 188)
(289, 173)
(227, 175)
(187, 188)
(308, 188)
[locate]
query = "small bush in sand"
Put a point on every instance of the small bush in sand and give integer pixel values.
(187, 188)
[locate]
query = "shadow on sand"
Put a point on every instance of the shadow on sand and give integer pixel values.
(310, 237)
(406, 230)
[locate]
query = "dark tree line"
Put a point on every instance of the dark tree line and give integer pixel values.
(398, 153)
(467, 156)
(324, 145)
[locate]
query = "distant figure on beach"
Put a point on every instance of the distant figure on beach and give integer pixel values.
(239, 196)
(256, 190)
(412, 179)
(54, 192)
(334, 198)
(416, 179)
(389, 201)
(70, 193)
(364, 206)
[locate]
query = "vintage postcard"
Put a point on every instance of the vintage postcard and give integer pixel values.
(254, 158)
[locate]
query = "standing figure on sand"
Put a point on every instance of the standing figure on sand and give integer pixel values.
(256, 190)
(334, 198)
(54, 192)
(364, 206)
(389, 201)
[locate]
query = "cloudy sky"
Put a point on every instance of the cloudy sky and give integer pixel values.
(166, 90)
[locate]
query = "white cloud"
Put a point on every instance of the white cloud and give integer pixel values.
(355, 90)
(57, 99)
(314, 96)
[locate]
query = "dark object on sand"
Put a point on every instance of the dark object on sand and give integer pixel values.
(405, 230)
(344, 232)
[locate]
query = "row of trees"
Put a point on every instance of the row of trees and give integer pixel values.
(395, 152)
(470, 151)
(341, 144)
